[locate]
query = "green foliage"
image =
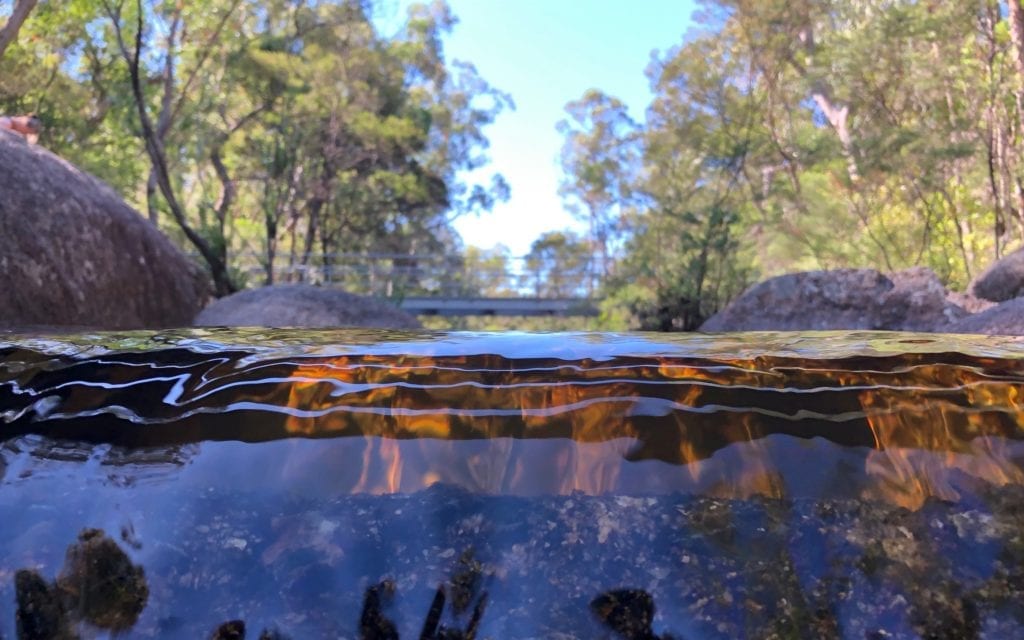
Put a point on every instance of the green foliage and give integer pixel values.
(783, 135)
(485, 273)
(559, 266)
(291, 129)
(788, 136)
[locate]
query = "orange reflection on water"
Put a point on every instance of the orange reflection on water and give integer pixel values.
(921, 438)
(921, 426)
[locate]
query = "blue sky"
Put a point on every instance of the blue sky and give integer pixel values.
(546, 53)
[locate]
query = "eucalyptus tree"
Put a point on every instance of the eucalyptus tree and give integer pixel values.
(559, 266)
(272, 125)
(366, 148)
(702, 136)
(902, 92)
(796, 134)
(185, 125)
(599, 162)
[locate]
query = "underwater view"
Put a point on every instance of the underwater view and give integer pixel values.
(284, 484)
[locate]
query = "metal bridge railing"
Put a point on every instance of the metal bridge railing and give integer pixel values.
(447, 276)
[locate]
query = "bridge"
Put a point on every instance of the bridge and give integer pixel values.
(441, 284)
(430, 306)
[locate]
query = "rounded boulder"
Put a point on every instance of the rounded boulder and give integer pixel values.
(74, 254)
(1003, 280)
(851, 299)
(306, 306)
(1005, 319)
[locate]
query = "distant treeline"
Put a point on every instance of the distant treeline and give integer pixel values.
(800, 134)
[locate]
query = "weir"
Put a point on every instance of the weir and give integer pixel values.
(413, 485)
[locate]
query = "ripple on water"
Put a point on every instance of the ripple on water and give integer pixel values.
(293, 477)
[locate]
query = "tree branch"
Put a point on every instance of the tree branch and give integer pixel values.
(205, 53)
(155, 150)
(10, 30)
(227, 193)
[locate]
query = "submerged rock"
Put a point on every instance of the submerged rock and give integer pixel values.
(98, 585)
(231, 630)
(40, 613)
(101, 583)
(303, 305)
(73, 253)
(864, 299)
(581, 566)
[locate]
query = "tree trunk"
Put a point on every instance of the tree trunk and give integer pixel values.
(294, 245)
(225, 201)
(989, 20)
(1016, 19)
(151, 204)
(838, 118)
(837, 115)
(311, 231)
(271, 216)
(218, 268)
(10, 30)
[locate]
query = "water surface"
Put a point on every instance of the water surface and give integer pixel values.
(347, 484)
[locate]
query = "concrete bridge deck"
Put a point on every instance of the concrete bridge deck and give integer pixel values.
(452, 306)
(446, 285)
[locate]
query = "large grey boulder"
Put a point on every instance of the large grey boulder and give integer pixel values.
(72, 253)
(839, 299)
(853, 299)
(1006, 318)
(1003, 280)
(303, 305)
(918, 301)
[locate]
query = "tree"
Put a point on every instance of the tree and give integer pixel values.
(377, 134)
(897, 86)
(283, 128)
(211, 246)
(559, 266)
(788, 135)
(599, 159)
(486, 272)
(10, 29)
